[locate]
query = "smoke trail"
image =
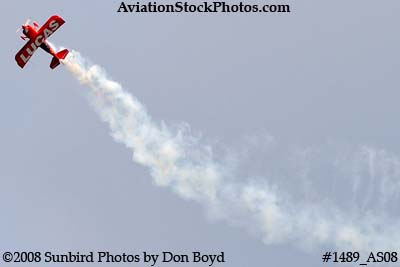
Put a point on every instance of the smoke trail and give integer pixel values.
(179, 161)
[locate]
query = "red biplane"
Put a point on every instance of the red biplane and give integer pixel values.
(37, 38)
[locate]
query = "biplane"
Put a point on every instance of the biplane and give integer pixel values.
(37, 38)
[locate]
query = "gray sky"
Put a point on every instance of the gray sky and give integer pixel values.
(325, 73)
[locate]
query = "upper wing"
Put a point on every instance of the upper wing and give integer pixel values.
(25, 53)
(51, 25)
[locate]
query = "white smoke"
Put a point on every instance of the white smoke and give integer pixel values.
(262, 206)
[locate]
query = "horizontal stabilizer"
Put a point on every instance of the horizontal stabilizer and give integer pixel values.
(62, 54)
(56, 59)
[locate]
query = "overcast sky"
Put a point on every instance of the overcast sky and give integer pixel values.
(326, 73)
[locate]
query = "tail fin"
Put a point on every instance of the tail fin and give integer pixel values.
(56, 59)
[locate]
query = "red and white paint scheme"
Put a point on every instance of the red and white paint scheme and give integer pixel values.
(37, 38)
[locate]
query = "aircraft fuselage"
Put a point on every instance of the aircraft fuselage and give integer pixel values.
(39, 40)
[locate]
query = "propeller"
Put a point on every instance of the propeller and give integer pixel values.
(26, 23)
